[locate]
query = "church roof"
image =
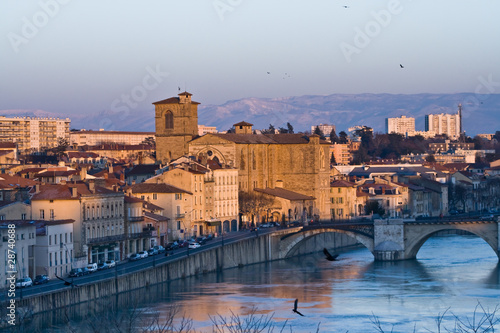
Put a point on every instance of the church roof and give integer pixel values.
(174, 100)
(265, 138)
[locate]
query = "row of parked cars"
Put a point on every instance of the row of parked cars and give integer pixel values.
(91, 268)
(192, 243)
(157, 249)
(28, 282)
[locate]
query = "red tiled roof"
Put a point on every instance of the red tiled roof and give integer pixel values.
(7, 181)
(243, 123)
(64, 191)
(80, 154)
(9, 145)
(155, 217)
(285, 194)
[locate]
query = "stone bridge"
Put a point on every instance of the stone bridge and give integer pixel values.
(392, 239)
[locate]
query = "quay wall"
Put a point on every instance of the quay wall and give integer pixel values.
(255, 250)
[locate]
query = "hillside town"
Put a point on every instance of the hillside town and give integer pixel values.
(80, 197)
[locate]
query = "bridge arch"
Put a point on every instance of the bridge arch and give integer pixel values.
(487, 232)
(291, 242)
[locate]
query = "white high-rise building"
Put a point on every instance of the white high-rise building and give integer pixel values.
(448, 124)
(324, 128)
(33, 134)
(403, 125)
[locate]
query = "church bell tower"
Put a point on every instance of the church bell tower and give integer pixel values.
(176, 123)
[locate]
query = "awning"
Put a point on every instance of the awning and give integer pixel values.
(213, 223)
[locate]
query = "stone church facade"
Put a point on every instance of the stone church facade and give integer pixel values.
(295, 162)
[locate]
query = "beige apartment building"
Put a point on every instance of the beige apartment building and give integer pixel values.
(343, 200)
(448, 124)
(341, 152)
(402, 125)
(33, 134)
(93, 138)
(176, 202)
(98, 213)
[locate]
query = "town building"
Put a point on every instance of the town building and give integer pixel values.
(176, 202)
(343, 200)
(447, 124)
(98, 213)
(54, 248)
(341, 153)
(202, 129)
(403, 125)
(300, 162)
(324, 128)
(32, 134)
(93, 138)
(21, 243)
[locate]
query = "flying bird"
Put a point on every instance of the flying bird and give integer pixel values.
(401, 66)
(345, 6)
(66, 282)
(295, 308)
(329, 257)
(268, 72)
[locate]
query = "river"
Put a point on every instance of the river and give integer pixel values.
(453, 275)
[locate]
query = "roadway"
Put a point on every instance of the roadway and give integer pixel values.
(126, 266)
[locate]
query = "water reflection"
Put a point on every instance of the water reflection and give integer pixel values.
(342, 295)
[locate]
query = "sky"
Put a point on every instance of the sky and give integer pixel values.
(78, 57)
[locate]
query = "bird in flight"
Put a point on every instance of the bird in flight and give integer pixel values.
(268, 72)
(295, 307)
(345, 6)
(66, 282)
(329, 257)
(401, 66)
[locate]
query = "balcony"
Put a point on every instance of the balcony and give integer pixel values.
(144, 234)
(107, 239)
(135, 218)
(180, 216)
(148, 228)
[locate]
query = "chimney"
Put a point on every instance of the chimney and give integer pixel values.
(37, 188)
(74, 192)
(279, 184)
(83, 173)
(92, 187)
(122, 177)
(383, 190)
(106, 176)
(110, 170)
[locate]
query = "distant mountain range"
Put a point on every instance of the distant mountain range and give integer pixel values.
(481, 113)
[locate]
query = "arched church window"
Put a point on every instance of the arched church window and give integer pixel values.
(169, 120)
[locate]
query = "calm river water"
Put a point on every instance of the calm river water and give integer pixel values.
(451, 272)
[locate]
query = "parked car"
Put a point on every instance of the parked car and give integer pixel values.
(159, 248)
(76, 272)
(24, 282)
(92, 267)
(194, 245)
(200, 240)
(209, 237)
(41, 279)
(85, 271)
(143, 254)
(152, 252)
(134, 257)
(172, 246)
(488, 217)
(183, 243)
(111, 263)
(102, 266)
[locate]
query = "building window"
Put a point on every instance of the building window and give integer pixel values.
(178, 225)
(2, 217)
(169, 120)
(23, 216)
(42, 214)
(51, 214)
(50, 239)
(155, 196)
(71, 237)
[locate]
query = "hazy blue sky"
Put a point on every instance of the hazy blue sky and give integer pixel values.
(88, 56)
